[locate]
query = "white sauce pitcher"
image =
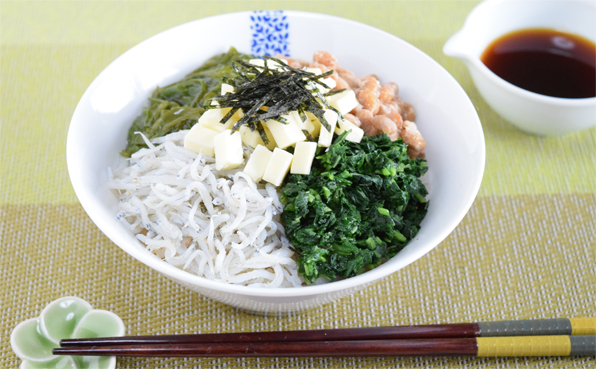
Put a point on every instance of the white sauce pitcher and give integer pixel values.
(529, 111)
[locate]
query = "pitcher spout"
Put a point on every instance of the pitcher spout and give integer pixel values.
(458, 47)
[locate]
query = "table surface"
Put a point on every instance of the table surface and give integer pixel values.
(525, 250)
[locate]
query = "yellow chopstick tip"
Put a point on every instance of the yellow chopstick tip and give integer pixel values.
(583, 326)
(524, 346)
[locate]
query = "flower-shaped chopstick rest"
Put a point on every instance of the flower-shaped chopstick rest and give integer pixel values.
(68, 317)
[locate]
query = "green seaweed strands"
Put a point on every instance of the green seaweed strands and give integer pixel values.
(178, 106)
(281, 89)
(360, 204)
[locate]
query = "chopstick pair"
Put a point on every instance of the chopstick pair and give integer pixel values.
(545, 337)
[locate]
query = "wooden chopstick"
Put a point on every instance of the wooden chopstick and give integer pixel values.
(346, 334)
(489, 346)
(539, 327)
(264, 349)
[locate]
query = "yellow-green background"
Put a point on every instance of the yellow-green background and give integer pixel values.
(525, 250)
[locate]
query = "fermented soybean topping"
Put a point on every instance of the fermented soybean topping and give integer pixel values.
(178, 106)
(545, 61)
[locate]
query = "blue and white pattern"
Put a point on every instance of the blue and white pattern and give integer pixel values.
(270, 34)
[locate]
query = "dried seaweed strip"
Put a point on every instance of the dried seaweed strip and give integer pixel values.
(334, 92)
(229, 115)
(282, 88)
(262, 132)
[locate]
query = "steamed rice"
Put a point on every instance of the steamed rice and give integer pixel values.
(216, 224)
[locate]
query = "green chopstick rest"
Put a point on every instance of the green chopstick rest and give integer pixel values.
(68, 317)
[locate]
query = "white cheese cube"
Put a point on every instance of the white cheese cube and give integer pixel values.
(329, 82)
(226, 89)
(345, 125)
(270, 63)
(316, 71)
(326, 137)
(344, 102)
(228, 150)
(257, 62)
(200, 140)
(307, 125)
(257, 163)
(253, 138)
(272, 144)
(286, 134)
(304, 155)
(211, 118)
(238, 115)
(315, 122)
(278, 167)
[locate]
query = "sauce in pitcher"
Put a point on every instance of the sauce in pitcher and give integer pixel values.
(545, 61)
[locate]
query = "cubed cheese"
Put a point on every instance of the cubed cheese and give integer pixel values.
(303, 157)
(257, 163)
(270, 63)
(278, 167)
(211, 119)
(228, 150)
(272, 144)
(200, 140)
(344, 102)
(307, 125)
(253, 138)
(225, 88)
(257, 62)
(237, 116)
(316, 71)
(316, 124)
(345, 125)
(325, 137)
(286, 134)
(330, 82)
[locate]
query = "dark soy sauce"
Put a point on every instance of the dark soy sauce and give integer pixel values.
(545, 61)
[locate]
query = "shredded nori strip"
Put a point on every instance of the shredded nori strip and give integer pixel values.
(309, 137)
(262, 132)
(334, 92)
(282, 89)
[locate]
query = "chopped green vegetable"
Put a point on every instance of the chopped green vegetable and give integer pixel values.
(178, 106)
(383, 211)
(359, 206)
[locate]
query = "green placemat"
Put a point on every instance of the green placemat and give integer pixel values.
(525, 250)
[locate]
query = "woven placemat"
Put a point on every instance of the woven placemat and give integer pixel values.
(496, 265)
(525, 250)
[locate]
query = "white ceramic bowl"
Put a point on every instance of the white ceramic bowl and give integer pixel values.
(529, 111)
(446, 117)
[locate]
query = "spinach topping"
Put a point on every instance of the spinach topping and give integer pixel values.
(360, 205)
(178, 106)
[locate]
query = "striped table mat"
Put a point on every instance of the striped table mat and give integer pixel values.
(525, 250)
